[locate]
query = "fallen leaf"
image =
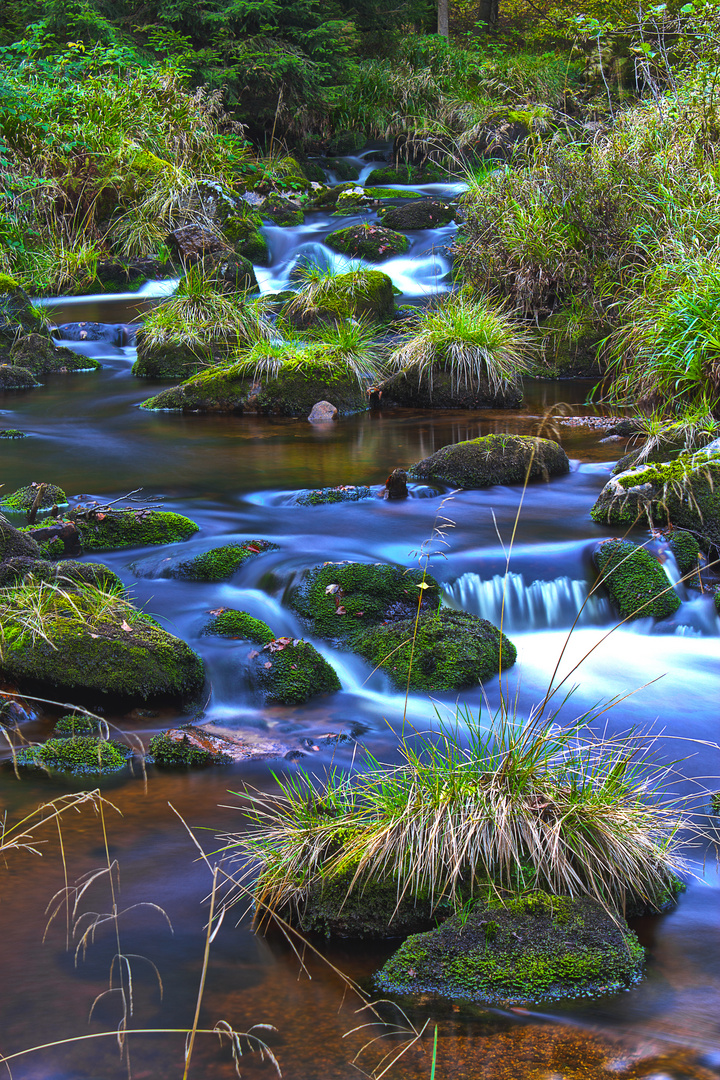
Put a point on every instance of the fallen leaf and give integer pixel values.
(126, 627)
(101, 517)
(340, 610)
(253, 654)
(267, 664)
(94, 635)
(359, 614)
(331, 589)
(255, 550)
(294, 667)
(217, 611)
(423, 585)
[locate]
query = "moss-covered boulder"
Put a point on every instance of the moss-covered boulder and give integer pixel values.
(15, 544)
(171, 359)
(493, 459)
(439, 388)
(244, 233)
(22, 500)
(686, 550)
(79, 755)
(402, 173)
(417, 214)
(283, 212)
(182, 748)
(227, 622)
(21, 568)
(219, 563)
(291, 390)
(237, 274)
(17, 314)
(344, 493)
(636, 582)
(73, 724)
(359, 293)
(684, 493)
(447, 650)
(369, 911)
(289, 671)
(537, 948)
(368, 241)
(16, 378)
(339, 600)
(12, 433)
(38, 355)
(130, 528)
(106, 648)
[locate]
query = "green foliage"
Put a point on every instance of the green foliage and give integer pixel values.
(686, 550)
(76, 724)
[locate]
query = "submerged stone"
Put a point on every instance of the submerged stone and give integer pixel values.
(290, 671)
(636, 582)
(338, 600)
(493, 459)
(443, 650)
(533, 949)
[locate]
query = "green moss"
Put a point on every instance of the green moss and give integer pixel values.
(38, 355)
(15, 570)
(76, 724)
(293, 673)
(540, 948)
(408, 174)
(81, 754)
(424, 214)
(12, 433)
(221, 562)
(131, 528)
(282, 212)
(8, 284)
(686, 550)
(244, 233)
(224, 390)
(181, 753)
(715, 802)
(370, 911)
(170, 359)
(16, 378)
(636, 582)
(51, 549)
(368, 241)
(22, 500)
(391, 193)
(493, 459)
(361, 292)
(363, 593)
(238, 624)
(321, 496)
(451, 650)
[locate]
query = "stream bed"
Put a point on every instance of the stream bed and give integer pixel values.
(237, 478)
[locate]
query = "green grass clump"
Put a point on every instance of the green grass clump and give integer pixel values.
(447, 650)
(354, 294)
(130, 528)
(340, 599)
(478, 342)
(172, 753)
(22, 500)
(637, 584)
(220, 562)
(81, 754)
(238, 624)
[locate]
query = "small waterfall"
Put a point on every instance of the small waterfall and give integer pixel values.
(539, 606)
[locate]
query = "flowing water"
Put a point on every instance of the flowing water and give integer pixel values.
(237, 477)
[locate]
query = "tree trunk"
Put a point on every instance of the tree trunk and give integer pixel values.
(444, 18)
(488, 12)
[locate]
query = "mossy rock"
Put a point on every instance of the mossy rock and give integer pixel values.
(323, 496)
(493, 459)
(130, 528)
(237, 274)
(407, 174)
(636, 583)
(282, 212)
(644, 455)
(73, 724)
(16, 378)
(367, 241)
(181, 753)
(344, 170)
(439, 389)
(366, 293)
(16, 544)
(390, 193)
(12, 433)
(313, 171)
(244, 234)
(420, 214)
(291, 672)
(448, 650)
(339, 600)
(83, 755)
(684, 493)
(686, 550)
(219, 563)
(170, 359)
(238, 624)
(22, 500)
(17, 314)
(368, 911)
(103, 657)
(20, 568)
(292, 391)
(40, 356)
(534, 949)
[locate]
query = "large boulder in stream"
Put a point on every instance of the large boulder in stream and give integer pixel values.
(523, 951)
(684, 493)
(289, 671)
(493, 459)
(113, 529)
(219, 563)
(636, 582)
(93, 642)
(443, 650)
(368, 241)
(40, 356)
(420, 214)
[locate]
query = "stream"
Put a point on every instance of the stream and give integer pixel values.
(237, 478)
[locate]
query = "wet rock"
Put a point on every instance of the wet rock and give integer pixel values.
(24, 498)
(111, 333)
(57, 541)
(219, 563)
(113, 529)
(119, 274)
(16, 544)
(12, 433)
(186, 747)
(636, 582)
(322, 412)
(439, 389)
(193, 244)
(237, 273)
(369, 912)
(493, 459)
(442, 650)
(16, 378)
(367, 241)
(533, 949)
(227, 622)
(17, 314)
(289, 671)
(37, 354)
(245, 236)
(420, 214)
(173, 360)
(341, 493)
(283, 212)
(396, 485)
(338, 600)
